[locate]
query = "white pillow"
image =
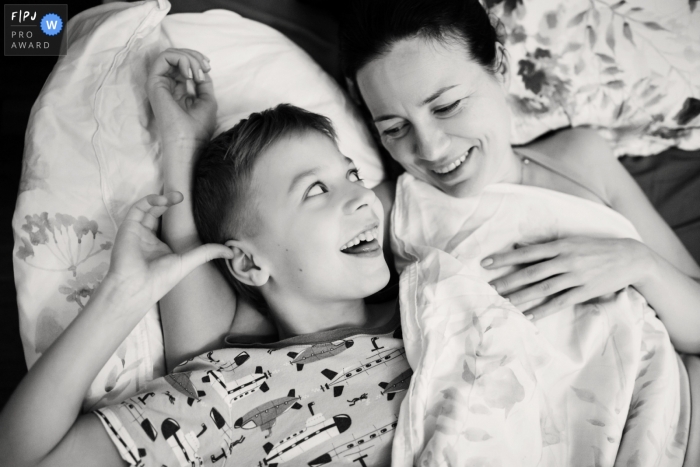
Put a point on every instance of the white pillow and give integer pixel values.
(89, 153)
(254, 67)
(92, 150)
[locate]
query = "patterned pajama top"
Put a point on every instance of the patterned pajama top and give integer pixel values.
(313, 400)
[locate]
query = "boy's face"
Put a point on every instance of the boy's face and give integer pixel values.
(312, 206)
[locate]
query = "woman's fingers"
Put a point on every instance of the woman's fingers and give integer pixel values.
(522, 255)
(571, 297)
(529, 275)
(543, 289)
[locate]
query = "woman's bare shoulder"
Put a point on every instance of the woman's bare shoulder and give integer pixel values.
(574, 145)
(583, 152)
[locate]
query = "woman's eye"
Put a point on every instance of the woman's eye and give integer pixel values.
(354, 176)
(395, 131)
(317, 189)
(447, 109)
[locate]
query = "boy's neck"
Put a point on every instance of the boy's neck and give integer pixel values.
(297, 317)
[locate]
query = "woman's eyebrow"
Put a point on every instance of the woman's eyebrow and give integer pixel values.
(425, 101)
(437, 94)
(385, 117)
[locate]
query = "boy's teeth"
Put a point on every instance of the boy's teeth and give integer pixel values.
(366, 236)
(453, 165)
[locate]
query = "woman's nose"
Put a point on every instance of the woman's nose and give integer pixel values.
(431, 143)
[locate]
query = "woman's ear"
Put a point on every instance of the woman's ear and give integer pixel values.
(502, 66)
(243, 265)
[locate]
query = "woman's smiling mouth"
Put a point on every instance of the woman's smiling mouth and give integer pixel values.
(451, 167)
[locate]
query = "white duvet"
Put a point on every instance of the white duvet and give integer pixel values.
(596, 384)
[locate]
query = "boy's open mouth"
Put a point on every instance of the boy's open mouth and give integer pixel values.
(365, 242)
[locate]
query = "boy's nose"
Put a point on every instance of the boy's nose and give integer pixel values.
(359, 196)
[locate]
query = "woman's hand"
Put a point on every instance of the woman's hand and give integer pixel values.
(143, 268)
(568, 271)
(183, 115)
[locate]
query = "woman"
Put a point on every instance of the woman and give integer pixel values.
(433, 78)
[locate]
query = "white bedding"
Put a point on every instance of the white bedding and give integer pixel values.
(595, 384)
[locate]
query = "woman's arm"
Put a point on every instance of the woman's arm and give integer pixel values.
(671, 278)
(40, 424)
(575, 270)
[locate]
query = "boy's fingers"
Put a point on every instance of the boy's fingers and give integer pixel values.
(197, 65)
(142, 206)
(181, 61)
(202, 254)
(150, 219)
(152, 205)
(162, 204)
(205, 89)
(204, 62)
(174, 197)
(190, 64)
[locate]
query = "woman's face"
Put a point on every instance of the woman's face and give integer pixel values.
(440, 115)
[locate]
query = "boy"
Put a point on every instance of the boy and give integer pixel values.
(309, 253)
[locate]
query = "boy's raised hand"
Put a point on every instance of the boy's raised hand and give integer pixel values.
(183, 115)
(142, 265)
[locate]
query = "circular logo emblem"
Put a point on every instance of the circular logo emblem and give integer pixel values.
(51, 24)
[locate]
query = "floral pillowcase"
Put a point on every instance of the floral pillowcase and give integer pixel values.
(630, 68)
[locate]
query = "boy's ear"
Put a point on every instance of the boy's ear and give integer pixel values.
(503, 66)
(243, 266)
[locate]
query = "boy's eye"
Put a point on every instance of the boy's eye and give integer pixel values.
(448, 108)
(354, 176)
(316, 189)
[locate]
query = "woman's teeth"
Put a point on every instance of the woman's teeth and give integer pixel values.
(449, 168)
(366, 236)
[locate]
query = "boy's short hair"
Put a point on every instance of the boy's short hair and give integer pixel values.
(223, 205)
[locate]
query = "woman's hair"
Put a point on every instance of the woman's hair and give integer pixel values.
(223, 205)
(369, 29)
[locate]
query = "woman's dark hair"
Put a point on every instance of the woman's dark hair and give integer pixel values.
(369, 28)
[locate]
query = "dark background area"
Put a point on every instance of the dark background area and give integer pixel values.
(671, 179)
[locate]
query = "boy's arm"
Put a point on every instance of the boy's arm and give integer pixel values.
(39, 424)
(199, 311)
(40, 417)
